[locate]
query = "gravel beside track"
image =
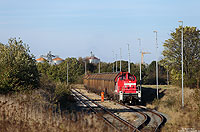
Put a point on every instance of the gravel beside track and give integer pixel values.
(156, 119)
(139, 116)
(114, 121)
(122, 111)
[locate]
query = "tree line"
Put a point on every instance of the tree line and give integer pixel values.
(19, 70)
(191, 56)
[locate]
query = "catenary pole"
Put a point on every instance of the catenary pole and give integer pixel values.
(116, 62)
(120, 59)
(129, 67)
(99, 66)
(156, 63)
(140, 62)
(113, 61)
(182, 62)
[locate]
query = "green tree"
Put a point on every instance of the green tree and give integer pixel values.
(58, 73)
(105, 67)
(43, 67)
(91, 68)
(172, 56)
(135, 70)
(75, 70)
(150, 77)
(53, 72)
(18, 69)
(1, 45)
(124, 66)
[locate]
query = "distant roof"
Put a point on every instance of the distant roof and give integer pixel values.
(40, 59)
(91, 57)
(55, 59)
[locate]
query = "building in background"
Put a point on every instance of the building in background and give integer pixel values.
(57, 61)
(41, 60)
(92, 59)
(50, 58)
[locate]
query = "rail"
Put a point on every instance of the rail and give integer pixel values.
(130, 126)
(162, 118)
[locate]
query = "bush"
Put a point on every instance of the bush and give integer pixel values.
(18, 69)
(54, 91)
(197, 101)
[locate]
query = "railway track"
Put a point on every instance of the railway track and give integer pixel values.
(149, 120)
(156, 122)
(153, 121)
(145, 118)
(117, 123)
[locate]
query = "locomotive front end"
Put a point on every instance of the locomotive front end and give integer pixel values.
(127, 89)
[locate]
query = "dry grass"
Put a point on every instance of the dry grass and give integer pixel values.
(170, 104)
(32, 112)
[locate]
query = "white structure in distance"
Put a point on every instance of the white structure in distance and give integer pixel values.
(92, 59)
(50, 58)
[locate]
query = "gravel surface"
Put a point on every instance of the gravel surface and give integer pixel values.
(121, 111)
(153, 119)
(118, 124)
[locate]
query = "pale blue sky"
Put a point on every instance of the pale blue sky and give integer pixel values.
(73, 28)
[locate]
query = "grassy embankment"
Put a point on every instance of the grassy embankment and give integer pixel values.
(170, 104)
(49, 108)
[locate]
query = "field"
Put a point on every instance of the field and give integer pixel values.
(170, 102)
(49, 108)
(38, 111)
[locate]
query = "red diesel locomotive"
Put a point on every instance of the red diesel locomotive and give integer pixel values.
(121, 85)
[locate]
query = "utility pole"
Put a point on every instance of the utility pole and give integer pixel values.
(182, 63)
(129, 67)
(116, 62)
(99, 66)
(156, 63)
(113, 61)
(140, 63)
(120, 59)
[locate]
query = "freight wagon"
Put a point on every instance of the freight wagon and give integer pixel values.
(119, 86)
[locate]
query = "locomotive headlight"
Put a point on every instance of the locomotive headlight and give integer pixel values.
(139, 94)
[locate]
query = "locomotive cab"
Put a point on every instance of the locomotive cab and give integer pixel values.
(126, 88)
